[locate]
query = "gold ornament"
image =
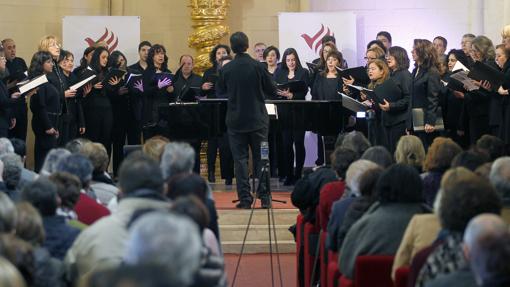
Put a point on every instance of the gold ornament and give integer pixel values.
(208, 18)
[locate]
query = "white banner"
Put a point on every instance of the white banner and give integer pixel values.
(119, 32)
(304, 32)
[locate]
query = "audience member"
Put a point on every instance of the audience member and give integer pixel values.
(8, 215)
(154, 147)
(178, 157)
(102, 184)
(11, 175)
(379, 155)
(355, 141)
(410, 151)
(470, 159)
(9, 275)
(52, 159)
(499, 177)
(494, 146)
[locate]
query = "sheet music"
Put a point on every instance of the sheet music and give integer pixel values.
(271, 110)
(34, 83)
(465, 80)
(80, 84)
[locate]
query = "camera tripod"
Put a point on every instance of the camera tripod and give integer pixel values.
(263, 192)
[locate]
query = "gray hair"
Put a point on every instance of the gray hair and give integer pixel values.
(52, 159)
(8, 214)
(499, 176)
(354, 172)
(6, 146)
(178, 157)
(482, 225)
(356, 141)
(13, 165)
(168, 240)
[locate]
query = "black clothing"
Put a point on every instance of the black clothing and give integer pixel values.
(72, 115)
(504, 131)
(5, 110)
(185, 89)
(153, 97)
(294, 137)
(45, 106)
(246, 82)
(211, 76)
(425, 95)
(98, 115)
(17, 68)
(393, 121)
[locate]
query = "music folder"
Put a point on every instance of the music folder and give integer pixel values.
(483, 72)
(419, 120)
(359, 74)
(32, 84)
(463, 78)
(293, 86)
(82, 83)
(385, 91)
(113, 73)
(162, 76)
(352, 104)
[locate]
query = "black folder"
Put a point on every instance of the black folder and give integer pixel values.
(388, 91)
(293, 86)
(162, 76)
(359, 74)
(112, 73)
(483, 72)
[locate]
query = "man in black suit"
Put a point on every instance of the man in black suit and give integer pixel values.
(246, 82)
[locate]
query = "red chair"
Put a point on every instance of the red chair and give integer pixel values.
(402, 276)
(311, 237)
(324, 258)
(300, 222)
(374, 270)
(345, 282)
(333, 271)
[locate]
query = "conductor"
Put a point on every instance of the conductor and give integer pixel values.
(246, 82)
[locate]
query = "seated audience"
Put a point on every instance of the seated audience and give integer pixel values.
(177, 157)
(379, 155)
(68, 190)
(494, 146)
(9, 275)
(471, 159)
(410, 151)
(102, 184)
(380, 230)
(438, 160)
(13, 167)
(154, 147)
(52, 159)
(6, 146)
(499, 177)
(355, 141)
(8, 214)
(103, 244)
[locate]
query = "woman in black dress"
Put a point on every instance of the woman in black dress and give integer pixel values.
(45, 106)
(291, 70)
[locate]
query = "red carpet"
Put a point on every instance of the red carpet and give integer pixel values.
(255, 270)
(223, 200)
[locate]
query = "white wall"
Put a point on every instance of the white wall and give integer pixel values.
(410, 19)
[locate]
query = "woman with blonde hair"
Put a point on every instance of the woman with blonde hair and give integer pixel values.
(410, 151)
(504, 132)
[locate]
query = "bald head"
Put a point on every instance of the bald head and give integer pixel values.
(481, 226)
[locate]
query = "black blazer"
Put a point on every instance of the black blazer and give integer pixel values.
(477, 104)
(153, 96)
(399, 103)
(5, 110)
(45, 106)
(322, 91)
(425, 93)
(208, 76)
(301, 74)
(182, 88)
(246, 82)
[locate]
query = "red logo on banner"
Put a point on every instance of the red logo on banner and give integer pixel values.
(112, 40)
(314, 42)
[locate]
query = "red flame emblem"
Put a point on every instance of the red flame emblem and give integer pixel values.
(314, 42)
(112, 40)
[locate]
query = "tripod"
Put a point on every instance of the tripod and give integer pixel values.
(263, 192)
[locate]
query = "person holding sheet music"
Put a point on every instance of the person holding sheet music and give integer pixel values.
(157, 88)
(425, 89)
(505, 87)
(123, 120)
(96, 105)
(326, 87)
(482, 107)
(291, 70)
(374, 52)
(6, 119)
(74, 119)
(52, 45)
(453, 101)
(17, 70)
(84, 61)
(320, 62)
(46, 108)
(208, 86)
(395, 107)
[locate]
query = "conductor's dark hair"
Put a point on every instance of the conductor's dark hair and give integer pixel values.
(400, 55)
(143, 44)
(385, 34)
(459, 55)
(466, 199)
(239, 42)
(113, 59)
(37, 62)
(400, 183)
(95, 61)
(42, 194)
(442, 39)
(378, 43)
(269, 49)
(157, 48)
(212, 55)
(328, 38)
(290, 51)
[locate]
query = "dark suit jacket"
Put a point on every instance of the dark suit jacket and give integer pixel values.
(5, 111)
(425, 93)
(399, 103)
(246, 81)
